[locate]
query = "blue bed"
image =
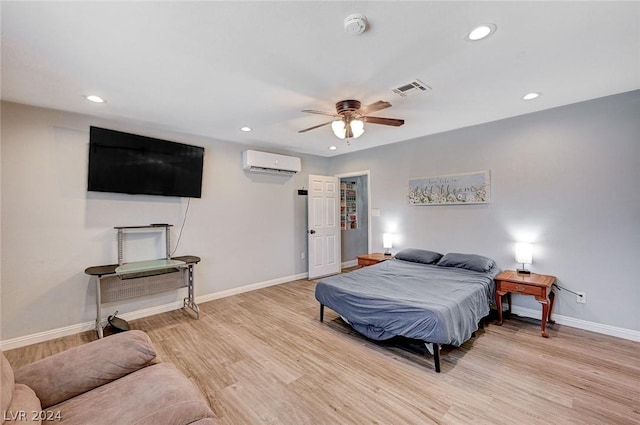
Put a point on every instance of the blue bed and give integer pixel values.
(419, 295)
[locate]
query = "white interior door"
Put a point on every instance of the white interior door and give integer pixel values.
(323, 207)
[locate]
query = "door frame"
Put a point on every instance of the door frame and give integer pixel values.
(357, 174)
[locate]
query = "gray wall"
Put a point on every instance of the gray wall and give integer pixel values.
(566, 178)
(356, 241)
(247, 228)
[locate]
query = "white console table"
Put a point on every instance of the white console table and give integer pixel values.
(120, 281)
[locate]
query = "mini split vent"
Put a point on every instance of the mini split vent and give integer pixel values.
(269, 163)
(412, 88)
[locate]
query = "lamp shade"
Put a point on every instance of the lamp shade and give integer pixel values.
(338, 128)
(387, 240)
(357, 127)
(524, 253)
(387, 243)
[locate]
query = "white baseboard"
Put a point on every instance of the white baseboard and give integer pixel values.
(22, 341)
(580, 324)
(348, 264)
(138, 314)
(250, 287)
(87, 326)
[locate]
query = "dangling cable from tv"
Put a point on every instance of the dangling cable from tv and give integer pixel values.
(184, 220)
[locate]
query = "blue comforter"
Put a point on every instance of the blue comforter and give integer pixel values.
(399, 298)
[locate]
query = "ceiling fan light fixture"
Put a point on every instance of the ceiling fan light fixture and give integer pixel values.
(339, 128)
(357, 127)
(348, 120)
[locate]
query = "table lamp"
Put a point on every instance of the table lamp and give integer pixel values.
(524, 254)
(387, 243)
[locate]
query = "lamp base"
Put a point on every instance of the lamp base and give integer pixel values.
(387, 252)
(523, 271)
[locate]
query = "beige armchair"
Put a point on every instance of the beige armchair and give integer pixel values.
(114, 380)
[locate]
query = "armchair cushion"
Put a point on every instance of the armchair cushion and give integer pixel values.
(67, 374)
(158, 395)
(24, 406)
(7, 382)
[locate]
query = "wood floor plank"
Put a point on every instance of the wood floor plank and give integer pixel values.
(263, 357)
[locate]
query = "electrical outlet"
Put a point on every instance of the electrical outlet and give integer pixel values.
(581, 297)
(302, 255)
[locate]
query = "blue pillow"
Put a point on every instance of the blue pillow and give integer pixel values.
(473, 262)
(418, 256)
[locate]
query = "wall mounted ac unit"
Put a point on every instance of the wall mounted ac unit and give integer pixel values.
(270, 163)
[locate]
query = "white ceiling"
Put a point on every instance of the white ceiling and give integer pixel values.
(209, 68)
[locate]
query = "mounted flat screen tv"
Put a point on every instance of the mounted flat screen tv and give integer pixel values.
(126, 163)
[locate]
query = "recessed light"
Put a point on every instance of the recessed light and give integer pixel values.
(481, 31)
(245, 128)
(95, 99)
(333, 148)
(530, 96)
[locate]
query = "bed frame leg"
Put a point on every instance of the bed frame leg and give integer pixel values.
(434, 349)
(321, 312)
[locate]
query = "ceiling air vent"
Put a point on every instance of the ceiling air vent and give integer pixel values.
(412, 88)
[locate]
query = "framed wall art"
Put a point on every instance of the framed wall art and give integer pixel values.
(452, 189)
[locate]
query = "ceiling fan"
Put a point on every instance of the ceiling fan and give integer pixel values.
(348, 121)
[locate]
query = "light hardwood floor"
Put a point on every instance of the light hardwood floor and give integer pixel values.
(264, 358)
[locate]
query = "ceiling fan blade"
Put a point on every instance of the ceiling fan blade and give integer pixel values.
(315, 126)
(377, 106)
(384, 121)
(311, 111)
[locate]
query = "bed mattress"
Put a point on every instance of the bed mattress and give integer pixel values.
(400, 298)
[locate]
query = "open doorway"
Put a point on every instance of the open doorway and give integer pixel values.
(355, 223)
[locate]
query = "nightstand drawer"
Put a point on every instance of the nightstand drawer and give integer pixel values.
(519, 288)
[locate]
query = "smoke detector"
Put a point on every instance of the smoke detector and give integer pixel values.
(355, 24)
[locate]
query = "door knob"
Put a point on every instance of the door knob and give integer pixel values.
(312, 231)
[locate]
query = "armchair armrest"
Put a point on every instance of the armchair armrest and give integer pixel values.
(67, 374)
